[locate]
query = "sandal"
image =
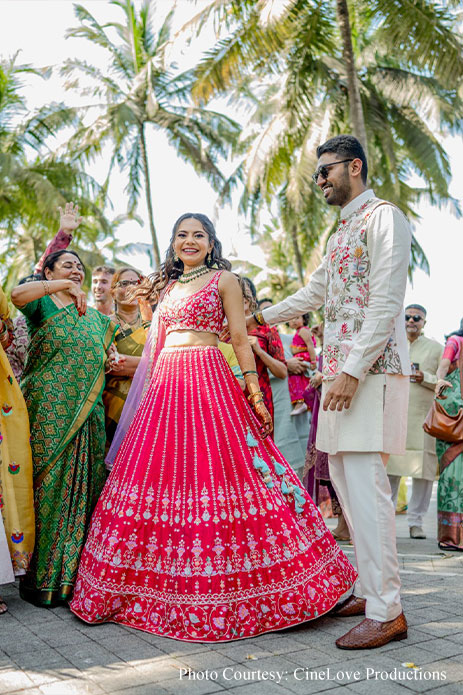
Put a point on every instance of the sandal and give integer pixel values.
(449, 546)
(3, 606)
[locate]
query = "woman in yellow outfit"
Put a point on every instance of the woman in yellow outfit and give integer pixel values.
(17, 528)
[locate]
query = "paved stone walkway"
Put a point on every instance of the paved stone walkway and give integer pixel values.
(50, 652)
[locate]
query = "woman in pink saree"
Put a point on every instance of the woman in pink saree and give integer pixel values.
(202, 532)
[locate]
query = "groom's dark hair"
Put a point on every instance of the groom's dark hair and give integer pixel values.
(346, 146)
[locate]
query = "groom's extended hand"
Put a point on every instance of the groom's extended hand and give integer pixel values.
(341, 393)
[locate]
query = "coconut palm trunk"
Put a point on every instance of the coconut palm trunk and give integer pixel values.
(297, 254)
(355, 103)
(149, 204)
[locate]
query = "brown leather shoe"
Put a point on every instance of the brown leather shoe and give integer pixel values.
(370, 634)
(354, 605)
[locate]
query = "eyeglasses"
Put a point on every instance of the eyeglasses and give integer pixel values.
(416, 318)
(323, 170)
(127, 283)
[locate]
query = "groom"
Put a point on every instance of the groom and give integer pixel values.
(361, 281)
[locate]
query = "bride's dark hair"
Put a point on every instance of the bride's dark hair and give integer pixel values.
(171, 269)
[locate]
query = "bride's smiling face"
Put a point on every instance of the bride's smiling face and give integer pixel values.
(191, 243)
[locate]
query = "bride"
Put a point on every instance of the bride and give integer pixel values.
(202, 532)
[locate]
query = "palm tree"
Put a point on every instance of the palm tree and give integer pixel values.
(307, 89)
(34, 182)
(140, 88)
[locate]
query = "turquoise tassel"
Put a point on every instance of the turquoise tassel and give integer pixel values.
(299, 497)
(264, 468)
(279, 468)
(284, 487)
(269, 483)
(297, 489)
(257, 462)
(298, 509)
(250, 440)
(300, 500)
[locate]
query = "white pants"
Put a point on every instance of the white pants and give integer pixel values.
(363, 489)
(419, 501)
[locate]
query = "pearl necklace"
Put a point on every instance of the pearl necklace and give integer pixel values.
(193, 274)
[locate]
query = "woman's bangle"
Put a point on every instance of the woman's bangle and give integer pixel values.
(261, 400)
(253, 395)
(259, 318)
(250, 371)
(46, 287)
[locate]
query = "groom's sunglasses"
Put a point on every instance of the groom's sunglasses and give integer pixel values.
(416, 318)
(323, 170)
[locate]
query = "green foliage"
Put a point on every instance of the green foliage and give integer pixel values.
(34, 182)
(292, 61)
(142, 88)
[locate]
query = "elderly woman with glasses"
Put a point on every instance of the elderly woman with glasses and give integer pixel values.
(133, 319)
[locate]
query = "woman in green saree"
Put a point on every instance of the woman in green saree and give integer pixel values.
(62, 384)
(450, 488)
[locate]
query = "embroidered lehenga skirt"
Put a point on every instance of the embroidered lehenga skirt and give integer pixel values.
(202, 532)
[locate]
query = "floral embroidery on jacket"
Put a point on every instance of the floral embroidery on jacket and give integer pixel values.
(347, 295)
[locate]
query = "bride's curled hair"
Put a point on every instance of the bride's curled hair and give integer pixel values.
(151, 287)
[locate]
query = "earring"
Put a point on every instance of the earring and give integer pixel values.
(175, 258)
(208, 257)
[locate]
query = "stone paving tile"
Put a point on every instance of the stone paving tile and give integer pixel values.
(148, 689)
(447, 689)
(14, 679)
(444, 648)
(71, 687)
(456, 636)
(161, 669)
(442, 628)
(453, 673)
(375, 688)
(83, 657)
(261, 688)
(312, 658)
(177, 686)
(309, 686)
(241, 652)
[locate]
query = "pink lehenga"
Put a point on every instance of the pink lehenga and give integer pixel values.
(202, 532)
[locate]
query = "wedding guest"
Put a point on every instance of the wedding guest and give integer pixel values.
(266, 346)
(130, 339)
(449, 388)
(62, 385)
(16, 492)
(420, 460)
(303, 345)
(102, 277)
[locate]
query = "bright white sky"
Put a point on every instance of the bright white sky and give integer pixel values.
(37, 29)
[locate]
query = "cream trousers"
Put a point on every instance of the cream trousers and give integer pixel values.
(364, 492)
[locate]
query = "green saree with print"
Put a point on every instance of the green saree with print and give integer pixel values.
(62, 384)
(450, 487)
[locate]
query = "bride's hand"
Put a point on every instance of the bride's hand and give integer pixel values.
(264, 417)
(78, 297)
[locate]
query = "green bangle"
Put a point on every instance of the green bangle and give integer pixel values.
(250, 371)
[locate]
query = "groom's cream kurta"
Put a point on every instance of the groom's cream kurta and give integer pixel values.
(361, 281)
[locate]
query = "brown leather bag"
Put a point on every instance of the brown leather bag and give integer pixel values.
(441, 425)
